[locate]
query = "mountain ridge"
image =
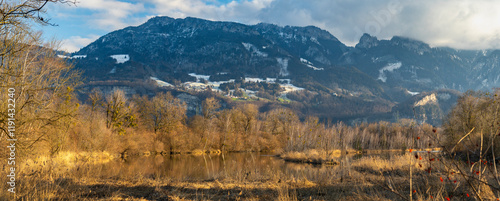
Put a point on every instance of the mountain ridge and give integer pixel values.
(373, 71)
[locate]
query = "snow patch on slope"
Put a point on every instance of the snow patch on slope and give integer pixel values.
(315, 40)
(283, 64)
(389, 68)
(290, 88)
(412, 93)
(268, 80)
(485, 83)
(161, 83)
(287, 88)
(199, 77)
(72, 57)
(309, 64)
(120, 58)
(254, 50)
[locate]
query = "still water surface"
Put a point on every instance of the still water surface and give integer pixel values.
(238, 166)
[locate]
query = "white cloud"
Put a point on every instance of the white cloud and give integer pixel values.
(244, 11)
(74, 43)
(111, 14)
(466, 24)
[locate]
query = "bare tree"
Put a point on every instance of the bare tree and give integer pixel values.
(119, 112)
(15, 17)
(95, 98)
(250, 112)
(16, 12)
(209, 107)
(162, 114)
(42, 85)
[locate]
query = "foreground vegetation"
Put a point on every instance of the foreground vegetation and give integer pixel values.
(114, 125)
(369, 178)
(60, 140)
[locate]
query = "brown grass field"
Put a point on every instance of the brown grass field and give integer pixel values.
(70, 176)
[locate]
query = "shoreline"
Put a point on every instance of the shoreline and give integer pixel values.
(363, 179)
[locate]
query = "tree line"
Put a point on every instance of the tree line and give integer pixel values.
(159, 124)
(50, 118)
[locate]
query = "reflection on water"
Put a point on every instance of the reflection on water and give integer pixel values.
(238, 166)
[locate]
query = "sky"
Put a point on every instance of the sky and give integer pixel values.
(461, 24)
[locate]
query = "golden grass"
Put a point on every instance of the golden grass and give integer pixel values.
(368, 178)
(69, 159)
(314, 156)
(197, 152)
(397, 162)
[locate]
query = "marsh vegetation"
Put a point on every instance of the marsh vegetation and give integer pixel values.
(112, 146)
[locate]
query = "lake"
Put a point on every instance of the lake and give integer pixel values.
(238, 166)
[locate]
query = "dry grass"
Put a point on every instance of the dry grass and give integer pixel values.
(313, 156)
(368, 178)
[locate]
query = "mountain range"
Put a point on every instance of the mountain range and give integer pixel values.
(380, 77)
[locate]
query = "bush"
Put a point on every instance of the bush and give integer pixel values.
(474, 124)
